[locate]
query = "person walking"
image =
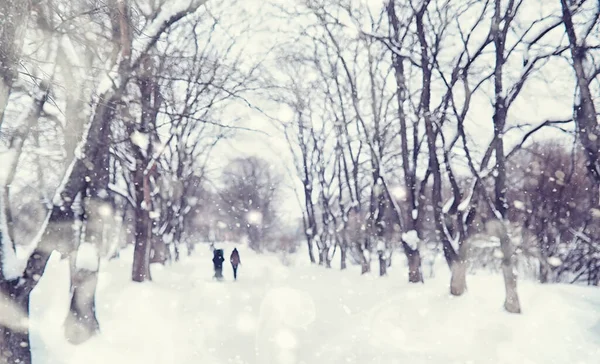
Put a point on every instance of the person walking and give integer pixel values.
(235, 261)
(218, 263)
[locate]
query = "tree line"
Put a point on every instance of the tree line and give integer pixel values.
(403, 121)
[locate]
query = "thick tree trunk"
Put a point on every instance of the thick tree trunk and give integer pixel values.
(81, 322)
(414, 265)
(15, 293)
(458, 280)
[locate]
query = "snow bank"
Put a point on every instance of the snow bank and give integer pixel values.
(304, 313)
(411, 238)
(87, 257)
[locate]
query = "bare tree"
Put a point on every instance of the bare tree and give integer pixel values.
(249, 193)
(56, 232)
(585, 111)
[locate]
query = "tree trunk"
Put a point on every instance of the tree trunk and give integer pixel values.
(176, 251)
(324, 257)
(365, 267)
(414, 265)
(81, 322)
(458, 280)
(141, 253)
(311, 254)
(15, 293)
(543, 272)
(191, 247)
(458, 268)
(39, 99)
(159, 252)
(511, 303)
(254, 238)
(499, 229)
(14, 327)
(498, 226)
(343, 254)
(382, 263)
(586, 118)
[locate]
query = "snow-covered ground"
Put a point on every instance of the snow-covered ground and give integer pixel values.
(306, 314)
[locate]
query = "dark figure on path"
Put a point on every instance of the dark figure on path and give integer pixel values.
(235, 261)
(218, 260)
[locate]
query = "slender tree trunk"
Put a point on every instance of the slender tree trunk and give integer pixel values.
(39, 100)
(543, 272)
(343, 258)
(311, 254)
(159, 250)
(382, 263)
(365, 264)
(143, 224)
(254, 238)
(434, 164)
(176, 251)
(586, 119)
(511, 303)
(143, 153)
(141, 253)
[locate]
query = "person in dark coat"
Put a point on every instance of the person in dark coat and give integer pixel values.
(218, 260)
(235, 261)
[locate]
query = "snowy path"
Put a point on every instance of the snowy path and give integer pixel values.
(302, 314)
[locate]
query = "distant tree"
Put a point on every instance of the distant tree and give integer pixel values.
(249, 193)
(553, 212)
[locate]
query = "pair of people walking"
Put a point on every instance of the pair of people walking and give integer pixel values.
(218, 259)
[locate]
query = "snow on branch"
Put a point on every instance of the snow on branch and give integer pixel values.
(87, 257)
(10, 264)
(176, 10)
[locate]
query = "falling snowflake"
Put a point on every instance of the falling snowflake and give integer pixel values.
(140, 139)
(254, 217)
(399, 192)
(555, 261)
